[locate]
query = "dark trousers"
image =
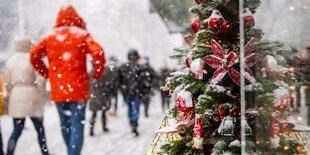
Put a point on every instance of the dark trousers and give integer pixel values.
(165, 100)
(72, 120)
(93, 121)
(307, 92)
(19, 124)
(146, 103)
(114, 101)
(1, 144)
(94, 115)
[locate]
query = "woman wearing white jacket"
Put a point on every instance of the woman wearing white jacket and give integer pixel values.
(26, 92)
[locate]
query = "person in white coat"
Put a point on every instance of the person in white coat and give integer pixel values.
(26, 94)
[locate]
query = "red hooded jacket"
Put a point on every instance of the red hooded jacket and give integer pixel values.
(66, 48)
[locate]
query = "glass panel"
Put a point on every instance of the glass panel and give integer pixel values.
(206, 87)
(242, 85)
(275, 73)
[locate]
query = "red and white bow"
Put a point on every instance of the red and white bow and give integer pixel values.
(249, 60)
(223, 63)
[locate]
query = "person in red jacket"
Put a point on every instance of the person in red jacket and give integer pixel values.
(66, 48)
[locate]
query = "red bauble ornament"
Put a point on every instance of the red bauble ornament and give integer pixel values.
(216, 20)
(184, 101)
(221, 111)
(218, 24)
(223, 30)
(249, 21)
(195, 25)
(199, 1)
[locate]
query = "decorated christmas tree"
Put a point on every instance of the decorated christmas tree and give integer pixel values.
(207, 115)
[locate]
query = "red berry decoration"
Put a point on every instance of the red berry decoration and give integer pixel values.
(195, 25)
(184, 101)
(199, 1)
(216, 20)
(249, 21)
(188, 62)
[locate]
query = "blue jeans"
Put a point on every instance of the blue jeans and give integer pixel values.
(72, 121)
(19, 124)
(133, 109)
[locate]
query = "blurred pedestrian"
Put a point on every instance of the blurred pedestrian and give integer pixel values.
(26, 94)
(100, 98)
(66, 48)
(148, 85)
(1, 113)
(164, 73)
(305, 69)
(294, 61)
(131, 85)
(114, 83)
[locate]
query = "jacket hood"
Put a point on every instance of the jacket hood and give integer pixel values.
(23, 44)
(67, 16)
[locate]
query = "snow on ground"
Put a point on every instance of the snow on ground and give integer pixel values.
(119, 141)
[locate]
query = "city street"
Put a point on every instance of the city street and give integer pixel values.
(119, 141)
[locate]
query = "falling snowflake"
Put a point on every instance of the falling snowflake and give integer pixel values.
(61, 38)
(66, 56)
(67, 113)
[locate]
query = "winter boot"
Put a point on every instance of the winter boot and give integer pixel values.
(104, 125)
(92, 125)
(134, 126)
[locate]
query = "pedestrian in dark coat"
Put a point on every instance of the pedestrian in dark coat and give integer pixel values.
(164, 73)
(100, 99)
(131, 85)
(114, 84)
(148, 85)
(305, 70)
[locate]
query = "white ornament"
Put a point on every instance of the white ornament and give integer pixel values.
(275, 141)
(270, 62)
(227, 126)
(196, 67)
(281, 94)
(187, 96)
